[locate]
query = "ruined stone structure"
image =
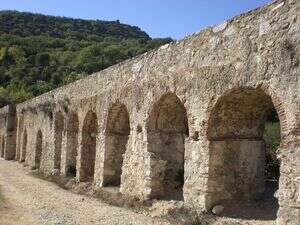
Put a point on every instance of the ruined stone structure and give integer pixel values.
(184, 122)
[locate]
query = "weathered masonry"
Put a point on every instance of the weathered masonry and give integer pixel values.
(184, 122)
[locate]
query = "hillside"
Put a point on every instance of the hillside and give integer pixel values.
(39, 53)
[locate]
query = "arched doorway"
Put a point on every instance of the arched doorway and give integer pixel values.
(167, 130)
(38, 149)
(24, 146)
(72, 144)
(116, 137)
(58, 129)
(237, 165)
(88, 147)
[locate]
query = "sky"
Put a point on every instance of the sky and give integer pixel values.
(159, 18)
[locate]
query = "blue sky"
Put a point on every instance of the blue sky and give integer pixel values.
(159, 18)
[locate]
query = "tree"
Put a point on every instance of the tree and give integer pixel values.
(4, 98)
(42, 59)
(39, 53)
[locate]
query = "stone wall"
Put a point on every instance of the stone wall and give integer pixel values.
(187, 117)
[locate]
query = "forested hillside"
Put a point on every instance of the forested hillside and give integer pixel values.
(39, 53)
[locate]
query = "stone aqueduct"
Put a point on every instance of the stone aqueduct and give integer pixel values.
(182, 122)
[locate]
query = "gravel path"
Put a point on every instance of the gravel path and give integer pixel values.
(32, 201)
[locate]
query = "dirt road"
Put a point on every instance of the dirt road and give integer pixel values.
(32, 201)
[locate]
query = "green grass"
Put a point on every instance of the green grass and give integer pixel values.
(272, 139)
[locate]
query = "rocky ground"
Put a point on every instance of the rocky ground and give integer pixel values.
(29, 200)
(32, 201)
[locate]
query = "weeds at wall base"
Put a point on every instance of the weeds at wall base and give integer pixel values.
(179, 216)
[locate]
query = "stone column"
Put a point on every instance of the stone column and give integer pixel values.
(289, 187)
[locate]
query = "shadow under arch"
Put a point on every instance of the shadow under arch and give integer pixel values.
(237, 155)
(72, 144)
(116, 138)
(88, 147)
(167, 129)
(38, 149)
(58, 129)
(2, 146)
(24, 146)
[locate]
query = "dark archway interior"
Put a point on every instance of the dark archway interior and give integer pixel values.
(72, 144)
(24, 146)
(272, 138)
(2, 146)
(167, 130)
(116, 137)
(88, 145)
(20, 126)
(239, 166)
(38, 149)
(59, 128)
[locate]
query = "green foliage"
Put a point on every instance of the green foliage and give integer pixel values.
(39, 53)
(272, 135)
(4, 98)
(272, 139)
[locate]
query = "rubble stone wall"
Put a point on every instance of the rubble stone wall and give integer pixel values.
(180, 109)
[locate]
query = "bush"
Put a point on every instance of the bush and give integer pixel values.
(272, 139)
(39, 53)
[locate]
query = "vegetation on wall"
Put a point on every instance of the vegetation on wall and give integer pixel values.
(39, 53)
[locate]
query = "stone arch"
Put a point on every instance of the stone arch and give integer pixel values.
(237, 150)
(72, 144)
(166, 132)
(88, 147)
(38, 149)
(116, 137)
(278, 106)
(58, 135)
(24, 146)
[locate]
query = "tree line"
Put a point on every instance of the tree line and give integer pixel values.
(39, 53)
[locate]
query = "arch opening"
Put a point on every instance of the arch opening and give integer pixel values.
(2, 146)
(88, 147)
(24, 146)
(38, 149)
(19, 138)
(244, 133)
(116, 138)
(167, 130)
(72, 144)
(58, 129)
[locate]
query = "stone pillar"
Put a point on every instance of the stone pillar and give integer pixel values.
(289, 183)
(136, 170)
(289, 187)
